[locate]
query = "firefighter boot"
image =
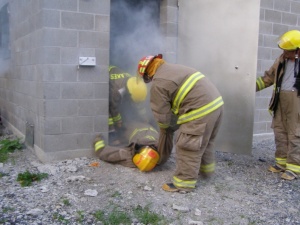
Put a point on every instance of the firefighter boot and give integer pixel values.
(170, 187)
(276, 168)
(289, 175)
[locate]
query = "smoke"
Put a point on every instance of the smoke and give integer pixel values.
(134, 32)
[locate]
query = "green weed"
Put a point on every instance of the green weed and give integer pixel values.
(6, 209)
(3, 174)
(60, 218)
(26, 178)
(80, 216)
(7, 146)
(115, 217)
(145, 216)
(66, 202)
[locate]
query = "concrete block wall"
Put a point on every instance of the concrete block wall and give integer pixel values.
(67, 104)
(276, 17)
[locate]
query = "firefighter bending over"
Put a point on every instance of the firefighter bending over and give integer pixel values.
(187, 93)
(284, 106)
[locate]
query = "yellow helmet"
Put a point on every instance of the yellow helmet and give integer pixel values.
(146, 159)
(290, 40)
(137, 90)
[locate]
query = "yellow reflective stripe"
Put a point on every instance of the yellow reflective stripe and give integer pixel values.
(200, 112)
(260, 83)
(143, 63)
(281, 161)
(140, 130)
(150, 137)
(293, 168)
(163, 126)
(111, 67)
(99, 145)
(184, 183)
(184, 90)
(117, 118)
(207, 168)
(110, 121)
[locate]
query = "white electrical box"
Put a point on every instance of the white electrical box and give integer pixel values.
(87, 61)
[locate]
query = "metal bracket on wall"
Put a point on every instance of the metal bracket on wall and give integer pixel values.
(29, 135)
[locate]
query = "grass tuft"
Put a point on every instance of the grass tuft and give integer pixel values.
(26, 178)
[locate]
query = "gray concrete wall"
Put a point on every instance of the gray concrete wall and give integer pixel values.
(66, 104)
(276, 17)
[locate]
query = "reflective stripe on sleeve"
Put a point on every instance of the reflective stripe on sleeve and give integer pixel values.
(260, 83)
(184, 90)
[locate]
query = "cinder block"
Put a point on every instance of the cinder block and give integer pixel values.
(69, 5)
(101, 90)
(77, 90)
(101, 123)
(102, 23)
(69, 56)
(49, 72)
(69, 73)
(59, 37)
(71, 125)
(267, 4)
(91, 74)
(273, 16)
(259, 128)
(264, 53)
(289, 19)
(102, 57)
(265, 28)
(295, 7)
(52, 125)
(48, 18)
(94, 40)
(78, 21)
(60, 142)
(60, 108)
(270, 41)
(92, 107)
(95, 6)
(48, 55)
(282, 5)
(279, 29)
(51, 90)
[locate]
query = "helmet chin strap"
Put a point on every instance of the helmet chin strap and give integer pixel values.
(146, 78)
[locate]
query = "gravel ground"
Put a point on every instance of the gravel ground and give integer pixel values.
(242, 191)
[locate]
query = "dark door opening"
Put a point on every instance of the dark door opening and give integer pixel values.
(134, 32)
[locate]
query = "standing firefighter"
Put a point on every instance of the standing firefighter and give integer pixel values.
(188, 94)
(285, 105)
(126, 97)
(141, 149)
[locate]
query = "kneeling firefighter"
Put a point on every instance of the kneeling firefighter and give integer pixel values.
(141, 151)
(126, 103)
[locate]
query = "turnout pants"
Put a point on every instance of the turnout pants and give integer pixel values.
(195, 148)
(286, 126)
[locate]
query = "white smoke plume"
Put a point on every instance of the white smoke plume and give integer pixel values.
(134, 32)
